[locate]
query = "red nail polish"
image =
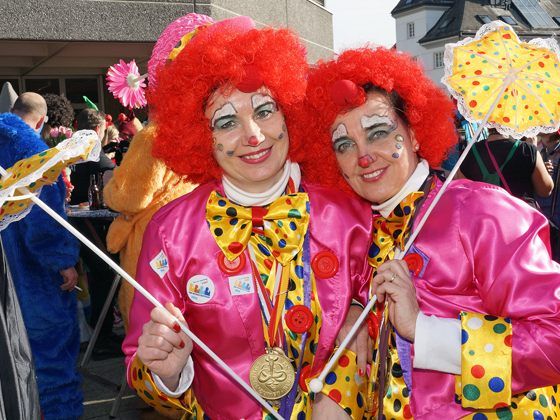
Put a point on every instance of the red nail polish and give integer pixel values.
(176, 328)
(361, 372)
(182, 344)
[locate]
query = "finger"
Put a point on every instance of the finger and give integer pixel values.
(156, 342)
(179, 315)
(369, 350)
(150, 354)
(361, 349)
(168, 334)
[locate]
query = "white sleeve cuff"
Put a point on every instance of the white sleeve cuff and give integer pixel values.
(437, 344)
(185, 382)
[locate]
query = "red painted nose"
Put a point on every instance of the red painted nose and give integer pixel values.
(253, 141)
(365, 161)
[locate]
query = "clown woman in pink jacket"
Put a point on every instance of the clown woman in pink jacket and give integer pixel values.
(256, 260)
(475, 305)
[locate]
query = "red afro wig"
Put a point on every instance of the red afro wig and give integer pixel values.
(213, 60)
(427, 109)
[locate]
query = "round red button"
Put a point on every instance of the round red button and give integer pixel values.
(373, 326)
(299, 319)
(231, 267)
(414, 262)
(324, 264)
(303, 375)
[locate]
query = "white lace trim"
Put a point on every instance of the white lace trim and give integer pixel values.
(78, 145)
(547, 43)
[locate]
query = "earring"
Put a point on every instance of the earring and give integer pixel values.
(416, 147)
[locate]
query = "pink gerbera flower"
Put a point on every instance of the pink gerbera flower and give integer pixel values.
(126, 84)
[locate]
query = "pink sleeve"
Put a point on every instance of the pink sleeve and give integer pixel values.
(155, 280)
(508, 245)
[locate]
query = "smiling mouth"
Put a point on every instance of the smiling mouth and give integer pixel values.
(374, 175)
(256, 157)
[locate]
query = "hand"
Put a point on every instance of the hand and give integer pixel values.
(163, 347)
(69, 279)
(549, 167)
(360, 343)
(326, 409)
(394, 284)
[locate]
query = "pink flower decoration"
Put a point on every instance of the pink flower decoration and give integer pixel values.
(126, 84)
(68, 133)
(54, 132)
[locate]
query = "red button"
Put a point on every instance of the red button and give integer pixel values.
(373, 326)
(299, 319)
(414, 262)
(231, 267)
(324, 264)
(303, 375)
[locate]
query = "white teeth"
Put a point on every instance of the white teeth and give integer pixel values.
(372, 174)
(257, 156)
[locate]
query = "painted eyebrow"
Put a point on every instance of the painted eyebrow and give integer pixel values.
(368, 121)
(226, 110)
(259, 99)
(339, 132)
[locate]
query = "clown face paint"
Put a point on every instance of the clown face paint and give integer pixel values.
(251, 128)
(371, 129)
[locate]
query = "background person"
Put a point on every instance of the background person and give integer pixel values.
(42, 255)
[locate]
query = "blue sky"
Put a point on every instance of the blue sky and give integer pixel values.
(356, 22)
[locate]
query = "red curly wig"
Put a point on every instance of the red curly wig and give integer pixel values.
(427, 109)
(217, 59)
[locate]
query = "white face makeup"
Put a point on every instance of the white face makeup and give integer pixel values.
(224, 113)
(250, 139)
(374, 130)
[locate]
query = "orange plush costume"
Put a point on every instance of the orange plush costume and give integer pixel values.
(139, 187)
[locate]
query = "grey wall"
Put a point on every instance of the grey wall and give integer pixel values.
(143, 20)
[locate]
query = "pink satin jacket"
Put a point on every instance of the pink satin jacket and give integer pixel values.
(232, 325)
(485, 251)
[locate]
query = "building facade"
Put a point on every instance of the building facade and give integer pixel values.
(66, 46)
(425, 26)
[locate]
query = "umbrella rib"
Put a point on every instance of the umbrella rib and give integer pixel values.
(497, 63)
(535, 79)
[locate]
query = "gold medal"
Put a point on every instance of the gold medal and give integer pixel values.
(272, 374)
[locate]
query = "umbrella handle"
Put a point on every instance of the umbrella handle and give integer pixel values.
(148, 296)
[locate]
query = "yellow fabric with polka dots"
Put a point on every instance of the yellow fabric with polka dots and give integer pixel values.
(485, 380)
(485, 360)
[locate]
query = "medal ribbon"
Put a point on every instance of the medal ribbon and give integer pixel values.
(272, 313)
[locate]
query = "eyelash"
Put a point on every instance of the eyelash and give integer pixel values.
(343, 145)
(259, 114)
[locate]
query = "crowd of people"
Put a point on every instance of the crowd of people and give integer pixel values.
(264, 205)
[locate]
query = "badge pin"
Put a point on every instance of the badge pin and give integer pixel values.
(200, 289)
(241, 285)
(160, 265)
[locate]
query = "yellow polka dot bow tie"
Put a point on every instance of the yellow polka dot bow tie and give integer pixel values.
(392, 231)
(279, 228)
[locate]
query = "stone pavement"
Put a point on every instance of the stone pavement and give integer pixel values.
(101, 384)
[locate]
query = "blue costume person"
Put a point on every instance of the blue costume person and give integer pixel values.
(37, 249)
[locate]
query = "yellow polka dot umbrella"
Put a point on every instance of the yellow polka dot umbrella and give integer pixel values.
(504, 83)
(39, 170)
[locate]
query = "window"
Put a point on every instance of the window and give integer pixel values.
(438, 60)
(410, 30)
(42, 86)
(508, 19)
(76, 89)
(484, 18)
(557, 20)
